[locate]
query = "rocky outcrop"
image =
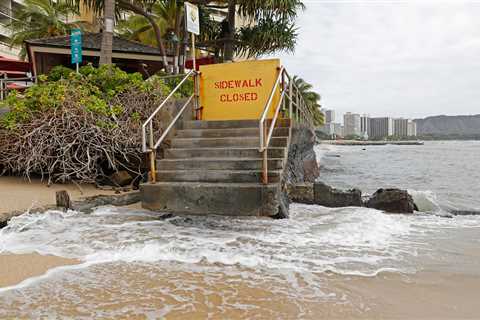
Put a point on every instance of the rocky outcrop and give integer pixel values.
(388, 200)
(327, 196)
(301, 193)
(121, 178)
(301, 169)
(85, 205)
(392, 201)
(302, 165)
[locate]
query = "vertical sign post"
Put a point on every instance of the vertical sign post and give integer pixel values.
(192, 25)
(192, 20)
(76, 46)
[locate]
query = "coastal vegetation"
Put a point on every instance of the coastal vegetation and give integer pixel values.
(311, 98)
(267, 27)
(42, 19)
(79, 127)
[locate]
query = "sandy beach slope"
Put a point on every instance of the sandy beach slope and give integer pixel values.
(14, 268)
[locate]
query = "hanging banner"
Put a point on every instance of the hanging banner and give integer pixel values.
(240, 90)
(192, 18)
(76, 45)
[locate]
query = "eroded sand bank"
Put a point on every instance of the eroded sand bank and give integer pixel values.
(19, 194)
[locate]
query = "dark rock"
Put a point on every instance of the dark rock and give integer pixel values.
(302, 163)
(3, 224)
(301, 193)
(392, 201)
(88, 204)
(327, 196)
(121, 178)
(283, 207)
(465, 212)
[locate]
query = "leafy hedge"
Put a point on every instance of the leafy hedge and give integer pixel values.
(80, 127)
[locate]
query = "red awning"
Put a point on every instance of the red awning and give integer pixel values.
(200, 62)
(8, 65)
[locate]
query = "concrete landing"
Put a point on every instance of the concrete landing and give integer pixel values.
(215, 167)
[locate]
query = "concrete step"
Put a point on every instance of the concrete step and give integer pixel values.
(230, 176)
(218, 164)
(232, 199)
(234, 153)
(225, 142)
(229, 124)
(224, 133)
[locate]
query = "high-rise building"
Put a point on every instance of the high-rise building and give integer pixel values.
(400, 127)
(412, 129)
(329, 116)
(8, 9)
(404, 128)
(351, 124)
(364, 125)
(380, 128)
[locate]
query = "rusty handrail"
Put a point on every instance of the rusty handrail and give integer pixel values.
(302, 114)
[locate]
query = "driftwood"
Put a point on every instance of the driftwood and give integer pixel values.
(70, 143)
(63, 200)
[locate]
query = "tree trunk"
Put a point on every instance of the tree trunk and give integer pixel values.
(158, 34)
(229, 42)
(107, 33)
(178, 28)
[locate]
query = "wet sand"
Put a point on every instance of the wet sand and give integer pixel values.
(19, 194)
(14, 268)
(181, 294)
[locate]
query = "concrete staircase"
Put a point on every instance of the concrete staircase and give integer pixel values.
(214, 167)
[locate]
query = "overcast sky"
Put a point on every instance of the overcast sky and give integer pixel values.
(396, 58)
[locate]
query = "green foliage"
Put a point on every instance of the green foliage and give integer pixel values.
(312, 99)
(170, 83)
(43, 18)
(59, 72)
(92, 89)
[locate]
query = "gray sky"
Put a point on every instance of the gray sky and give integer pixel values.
(395, 58)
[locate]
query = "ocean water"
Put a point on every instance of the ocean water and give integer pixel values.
(135, 265)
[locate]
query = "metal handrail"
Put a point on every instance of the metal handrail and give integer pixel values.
(149, 119)
(153, 145)
(303, 114)
(265, 110)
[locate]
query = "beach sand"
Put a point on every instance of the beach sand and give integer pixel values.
(19, 194)
(425, 295)
(14, 268)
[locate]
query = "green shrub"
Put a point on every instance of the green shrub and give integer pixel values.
(186, 90)
(93, 89)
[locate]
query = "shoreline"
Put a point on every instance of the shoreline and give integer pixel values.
(428, 294)
(20, 196)
(371, 143)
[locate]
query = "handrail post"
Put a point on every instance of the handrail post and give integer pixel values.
(290, 97)
(297, 109)
(152, 155)
(196, 104)
(265, 157)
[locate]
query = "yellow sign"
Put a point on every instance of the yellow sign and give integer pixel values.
(240, 90)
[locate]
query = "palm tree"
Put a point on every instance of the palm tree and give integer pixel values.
(42, 18)
(140, 7)
(138, 28)
(107, 33)
(311, 98)
(272, 26)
